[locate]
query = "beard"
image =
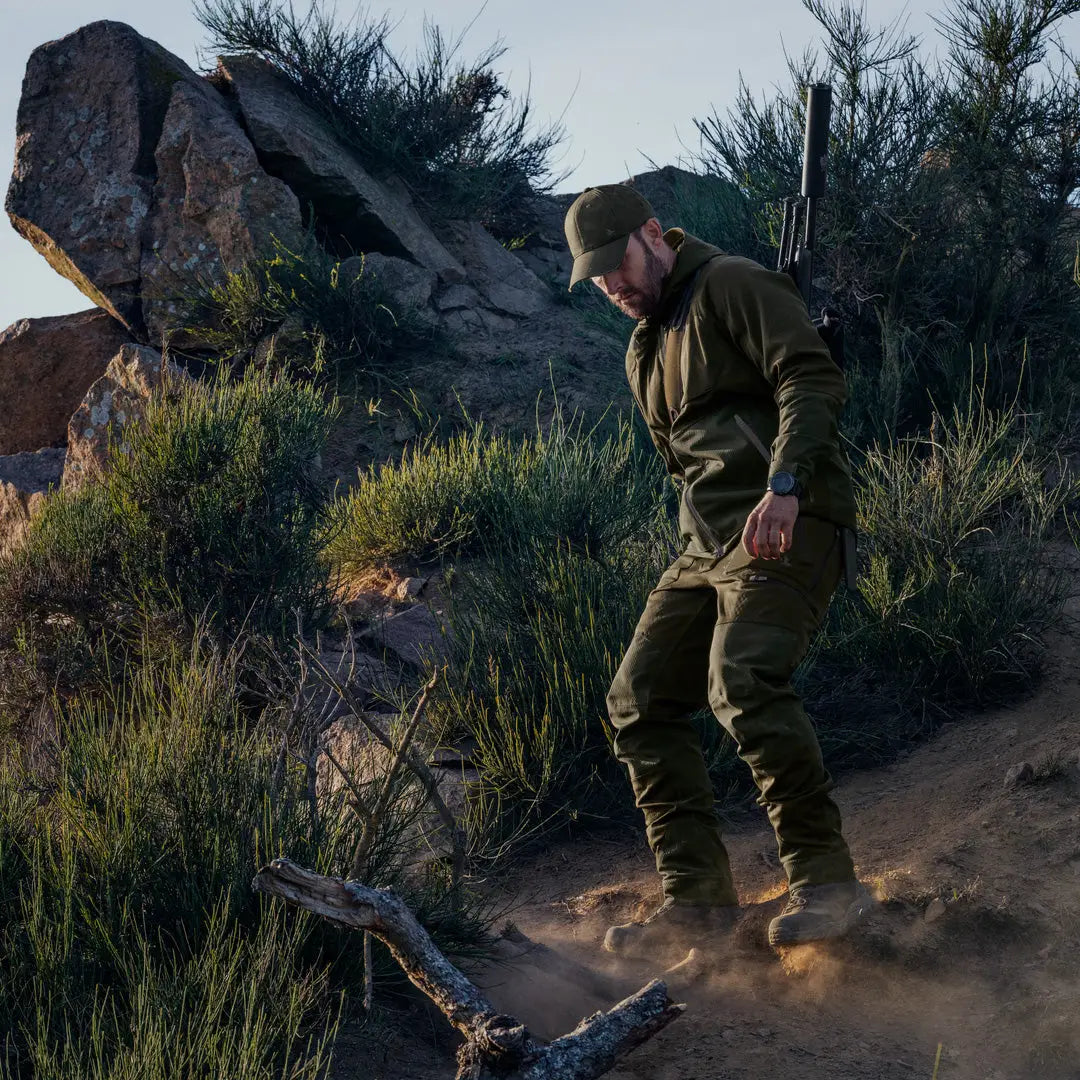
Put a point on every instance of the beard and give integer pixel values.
(644, 302)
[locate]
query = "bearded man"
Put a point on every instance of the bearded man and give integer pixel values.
(741, 398)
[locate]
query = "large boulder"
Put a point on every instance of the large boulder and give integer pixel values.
(408, 287)
(121, 146)
(25, 479)
(114, 402)
(46, 366)
(506, 284)
(214, 206)
(351, 207)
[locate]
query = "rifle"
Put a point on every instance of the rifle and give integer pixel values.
(796, 254)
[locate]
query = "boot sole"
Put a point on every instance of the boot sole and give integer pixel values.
(779, 935)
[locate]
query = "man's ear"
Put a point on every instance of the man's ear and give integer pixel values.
(653, 230)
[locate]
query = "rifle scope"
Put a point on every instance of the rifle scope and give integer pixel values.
(816, 147)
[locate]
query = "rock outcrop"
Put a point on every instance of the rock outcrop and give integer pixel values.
(142, 182)
(129, 168)
(25, 479)
(214, 207)
(354, 211)
(46, 366)
(114, 402)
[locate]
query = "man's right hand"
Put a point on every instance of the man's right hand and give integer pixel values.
(770, 528)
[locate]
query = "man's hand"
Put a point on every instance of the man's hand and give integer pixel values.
(771, 525)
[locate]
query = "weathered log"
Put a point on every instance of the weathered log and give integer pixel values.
(495, 1045)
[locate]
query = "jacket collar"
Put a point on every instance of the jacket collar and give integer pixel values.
(690, 254)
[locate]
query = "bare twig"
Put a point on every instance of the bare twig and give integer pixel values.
(382, 801)
(413, 761)
(369, 975)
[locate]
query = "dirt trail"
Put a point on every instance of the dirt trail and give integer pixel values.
(995, 978)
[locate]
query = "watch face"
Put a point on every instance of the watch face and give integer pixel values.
(782, 483)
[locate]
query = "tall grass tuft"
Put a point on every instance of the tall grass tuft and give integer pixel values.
(330, 319)
(962, 576)
(482, 492)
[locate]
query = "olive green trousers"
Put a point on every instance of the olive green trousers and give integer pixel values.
(730, 632)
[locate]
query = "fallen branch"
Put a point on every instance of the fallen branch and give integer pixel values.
(495, 1045)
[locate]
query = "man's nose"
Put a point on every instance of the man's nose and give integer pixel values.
(612, 282)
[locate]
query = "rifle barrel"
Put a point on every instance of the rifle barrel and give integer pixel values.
(816, 144)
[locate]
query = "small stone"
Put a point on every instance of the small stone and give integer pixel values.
(1019, 774)
(409, 588)
(403, 431)
(934, 910)
(414, 636)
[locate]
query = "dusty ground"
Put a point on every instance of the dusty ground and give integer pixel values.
(995, 978)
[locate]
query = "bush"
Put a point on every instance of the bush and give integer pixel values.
(328, 319)
(479, 492)
(540, 633)
(447, 127)
(134, 945)
(961, 577)
(213, 514)
(949, 221)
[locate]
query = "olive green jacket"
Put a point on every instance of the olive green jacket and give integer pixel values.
(757, 393)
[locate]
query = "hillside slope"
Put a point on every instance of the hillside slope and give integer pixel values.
(995, 977)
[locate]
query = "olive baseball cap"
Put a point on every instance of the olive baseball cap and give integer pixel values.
(598, 227)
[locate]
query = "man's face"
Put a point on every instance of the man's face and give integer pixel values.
(634, 286)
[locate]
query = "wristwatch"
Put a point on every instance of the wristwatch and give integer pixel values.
(783, 483)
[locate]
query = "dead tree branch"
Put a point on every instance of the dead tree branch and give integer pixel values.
(495, 1045)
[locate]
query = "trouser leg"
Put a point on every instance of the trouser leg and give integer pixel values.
(663, 679)
(767, 614)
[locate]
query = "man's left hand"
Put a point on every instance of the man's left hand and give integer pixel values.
(770, 527)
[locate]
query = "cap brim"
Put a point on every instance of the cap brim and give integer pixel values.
(599, 261)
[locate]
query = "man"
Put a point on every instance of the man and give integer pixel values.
(741, 398)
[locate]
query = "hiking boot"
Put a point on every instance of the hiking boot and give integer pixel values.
(672, 927)
(815, 912)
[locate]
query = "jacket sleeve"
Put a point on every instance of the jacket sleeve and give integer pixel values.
(764, 314)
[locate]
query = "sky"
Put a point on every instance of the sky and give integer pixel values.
(626, 78)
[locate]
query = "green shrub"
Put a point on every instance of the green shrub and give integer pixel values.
(232, 1006)
(213, 514)
(479, 492)
(541, 631)
(961, 578)
(949, 221)
(134, 944)
(329, 321)
(449, 128)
